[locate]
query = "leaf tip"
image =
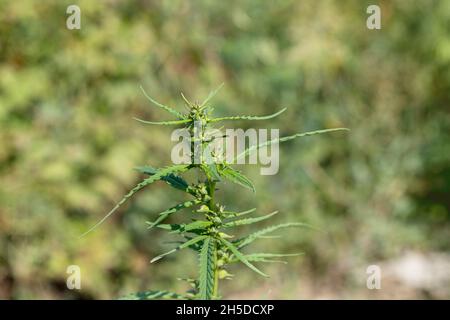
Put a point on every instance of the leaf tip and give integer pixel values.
(155, 259)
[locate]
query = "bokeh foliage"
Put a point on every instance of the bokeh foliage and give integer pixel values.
(69, 144)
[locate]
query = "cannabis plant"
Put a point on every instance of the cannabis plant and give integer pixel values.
(209, 229)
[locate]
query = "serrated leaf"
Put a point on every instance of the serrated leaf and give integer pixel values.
(152, 295)
(196, 246)
(240, 243)
(283, 139)
(236, 177)
(172, 179)
(159, 174)
(211, 170)
(207, 268)
(160, 105)
(163, 215)
(241, 257)
(180, 228)
(232, 214)
(182, 246)
(270, 116)
(248, 220)
(265, 257)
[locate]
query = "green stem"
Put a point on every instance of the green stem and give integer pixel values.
(216, 275)
(211, 205)
(212, 187)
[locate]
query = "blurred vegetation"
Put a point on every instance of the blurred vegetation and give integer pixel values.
(69, 144)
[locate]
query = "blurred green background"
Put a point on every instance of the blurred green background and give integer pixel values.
(69, 144)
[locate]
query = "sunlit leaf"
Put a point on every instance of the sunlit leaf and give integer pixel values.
(189, 227)
(237, 177)
(207, 269)
(168, 109)
(241, 257)
(241, 222)
(254, 236)
(165, 214)
(210, 96)
(284, 139)
(182, 246)
(266, 257)
(172, 179)
(270, 116)
(155, 177)
(231, 214)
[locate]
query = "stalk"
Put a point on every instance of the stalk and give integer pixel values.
(216, 277)
(211, 206)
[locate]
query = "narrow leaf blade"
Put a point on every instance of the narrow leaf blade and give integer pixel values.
(165, 214)
(172, 179)
(265, 257)
(242, 242)
(237, 177)
(231, 214)
(241, 257)
(248, 220)
(182, 246)
(211, 95)
(207, 267)
(160, 105)
(157, 176)
(270, 116)
(180, 228)
(283, 139)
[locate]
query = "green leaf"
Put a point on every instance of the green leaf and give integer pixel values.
(264, 257)
(196, 246)
(153, 295)
(241, 257)
(182, 246)
(168, 109)
(237, 177)
(207, 268)
(248, 220)
(240, 243)
(231, 214)
(270, 116)
(172, 179)
(188, 103)
(283, 139)
(212, 172)
(163, 215)
(210, 96)
(179, 228)
(164, 123)
(159, 174)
